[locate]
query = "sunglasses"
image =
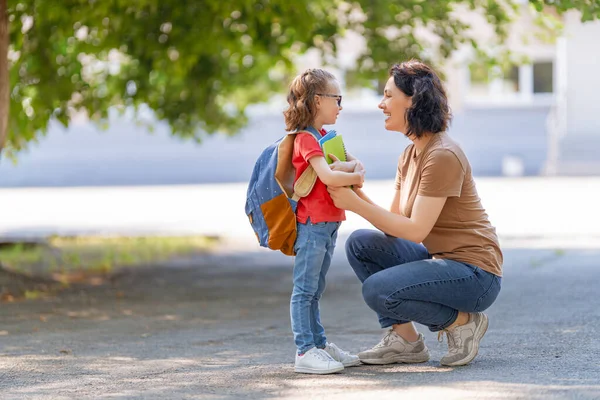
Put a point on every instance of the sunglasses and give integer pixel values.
(338, 97)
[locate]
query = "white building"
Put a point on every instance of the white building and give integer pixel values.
(556, 78)
(561, 76)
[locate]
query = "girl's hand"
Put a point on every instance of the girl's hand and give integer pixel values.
(344, 166)
(359, 168)
(344, 198)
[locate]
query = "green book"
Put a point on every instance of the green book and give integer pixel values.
(334, 146)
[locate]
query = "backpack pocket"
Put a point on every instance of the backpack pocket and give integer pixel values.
(280, 219)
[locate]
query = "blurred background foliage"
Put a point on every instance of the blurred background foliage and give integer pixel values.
(197, 65)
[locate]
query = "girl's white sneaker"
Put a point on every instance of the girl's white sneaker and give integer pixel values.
(317, 361)
(347, 359)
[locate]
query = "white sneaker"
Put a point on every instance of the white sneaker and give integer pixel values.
(317, 361)
(347, 359)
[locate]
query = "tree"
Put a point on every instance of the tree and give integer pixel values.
(197, 65)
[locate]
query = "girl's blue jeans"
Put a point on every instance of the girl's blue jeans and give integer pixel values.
(402, 283)
(314, 250)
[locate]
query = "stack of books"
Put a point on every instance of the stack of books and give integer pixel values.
(332, 143)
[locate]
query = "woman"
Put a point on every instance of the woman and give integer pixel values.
(436, 259)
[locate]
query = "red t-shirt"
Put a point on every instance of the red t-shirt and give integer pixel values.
(318, 205)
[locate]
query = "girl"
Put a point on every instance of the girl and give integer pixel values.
(314, 100)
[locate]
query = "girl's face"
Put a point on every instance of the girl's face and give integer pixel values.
(328, 105)
(394, 105)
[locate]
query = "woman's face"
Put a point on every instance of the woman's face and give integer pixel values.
(394, 105)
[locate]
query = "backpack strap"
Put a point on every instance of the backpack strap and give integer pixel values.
(308, 178)
(305, 183)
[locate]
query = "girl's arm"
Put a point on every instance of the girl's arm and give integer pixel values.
(335, 178)
(425, 213)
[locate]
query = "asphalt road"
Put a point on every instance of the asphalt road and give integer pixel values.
(217, 327)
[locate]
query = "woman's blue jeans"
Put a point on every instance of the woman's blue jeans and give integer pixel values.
(314, 249)
(402, 283)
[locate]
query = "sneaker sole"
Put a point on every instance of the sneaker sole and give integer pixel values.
(478, 336)
(401, 359)
(351, 363)
(304, 370)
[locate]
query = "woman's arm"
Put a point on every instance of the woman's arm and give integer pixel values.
(363, 196)
(335, 178)
(425, 213)
(395, 207)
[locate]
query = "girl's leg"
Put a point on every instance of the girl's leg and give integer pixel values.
(311, 251)
(317, 328)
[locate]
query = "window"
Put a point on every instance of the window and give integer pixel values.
(493, 81)
(512, 84)
(480, 79)
(510, 79)
(543, 73)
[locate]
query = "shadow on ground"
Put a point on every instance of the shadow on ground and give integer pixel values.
(217, 326)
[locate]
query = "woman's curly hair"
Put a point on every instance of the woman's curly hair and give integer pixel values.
(430, 111)
(302, 110)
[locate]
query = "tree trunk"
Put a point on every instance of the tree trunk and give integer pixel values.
(4, 77)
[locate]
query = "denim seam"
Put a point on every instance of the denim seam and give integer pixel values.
(385, 303)
(360, 249)
(310, 235)
(485, 293)
(447, 323)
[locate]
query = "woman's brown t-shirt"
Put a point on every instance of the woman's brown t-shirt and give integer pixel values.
(463, 231)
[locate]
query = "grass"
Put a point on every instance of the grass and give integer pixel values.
(97, 255)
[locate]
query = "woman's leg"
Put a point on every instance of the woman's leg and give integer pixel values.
(427, 291)
(430, 292)
(371, 251)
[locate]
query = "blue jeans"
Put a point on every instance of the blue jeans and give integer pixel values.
(402, 283)
(314, 249)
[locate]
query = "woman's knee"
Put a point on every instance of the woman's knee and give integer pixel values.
(358, 240)
(373, 293)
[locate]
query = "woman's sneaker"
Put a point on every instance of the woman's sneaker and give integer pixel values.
(317, 361)
(463, 341)
(347, 359)
(394, 349)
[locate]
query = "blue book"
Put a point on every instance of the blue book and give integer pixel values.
(329, 135)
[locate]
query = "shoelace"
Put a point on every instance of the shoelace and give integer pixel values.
(324, 356)
(385, 340)
(452, 343)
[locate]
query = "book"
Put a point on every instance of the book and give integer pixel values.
(334, 145)
(326, 137)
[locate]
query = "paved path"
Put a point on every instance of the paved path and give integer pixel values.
(217, 327)
(536, 212)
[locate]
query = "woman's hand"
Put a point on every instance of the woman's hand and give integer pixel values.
(344, 198)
